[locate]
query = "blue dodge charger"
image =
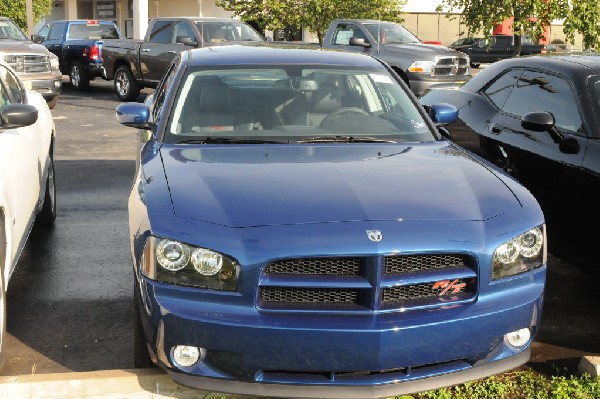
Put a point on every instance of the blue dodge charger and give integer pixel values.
(300, 227)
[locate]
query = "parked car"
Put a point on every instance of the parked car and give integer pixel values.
(36, 66)
(27, 192)
(536, 118)
(136, 64)
(500, 47)
(78, 46)
(420, 65)
(299, 228)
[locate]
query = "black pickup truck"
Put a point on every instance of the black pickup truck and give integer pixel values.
(135, 64)
(500, 47)
(78, 45)
(420, 65)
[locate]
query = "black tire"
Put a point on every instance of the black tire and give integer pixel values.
(141, 357)
(125, 85)
(80, 79)
(47, 215)
(52, 102)
(474, 65)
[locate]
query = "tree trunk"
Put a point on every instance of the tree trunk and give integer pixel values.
(320, 37)
(517, 46)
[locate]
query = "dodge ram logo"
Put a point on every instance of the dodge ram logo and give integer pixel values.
(374, 235)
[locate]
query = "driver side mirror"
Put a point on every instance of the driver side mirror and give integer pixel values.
(545, 122)
(37, 38)
(186, 40)
(17, 115)
(356, 41)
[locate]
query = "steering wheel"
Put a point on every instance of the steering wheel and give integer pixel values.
(343, 111)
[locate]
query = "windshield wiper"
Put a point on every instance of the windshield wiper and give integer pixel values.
(229, 140)
(344, 139)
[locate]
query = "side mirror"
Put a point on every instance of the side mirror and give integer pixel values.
(133, 115)
(17, 115)
(37, 38)
(544, 122)
(355, 41)
(186, 40)
(443, 114)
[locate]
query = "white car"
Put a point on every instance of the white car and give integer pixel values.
(27, 191)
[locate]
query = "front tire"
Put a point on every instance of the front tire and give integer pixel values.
(126, 87)
(47, 215)
(80, 80)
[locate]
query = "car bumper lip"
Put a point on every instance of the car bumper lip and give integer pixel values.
(352, 391)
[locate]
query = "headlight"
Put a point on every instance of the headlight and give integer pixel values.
(53, 62)
(175, 262)
(521, 254)
(422, 66)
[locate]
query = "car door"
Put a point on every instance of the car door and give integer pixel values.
(157, 53)
(343, 32)
(53, 37)
(552, 174)
(22, 146)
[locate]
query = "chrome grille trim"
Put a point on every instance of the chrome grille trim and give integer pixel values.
(451, 66)
(28, 63)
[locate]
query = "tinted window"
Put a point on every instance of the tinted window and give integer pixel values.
(499, 90)
(538, 91)
(183, 29)
(92, 31)
(162, 31)
(501, 40)
(344, 32)
(216, 32)
(391, 33)
(56, 31)
(44, 31)
(161, 89)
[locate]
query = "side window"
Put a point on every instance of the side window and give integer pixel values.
(183, 29)
(162, 32)
(44, 31)
(161, 89)
(343, 33)
(539, 91)
(13, 86)
(56, 31)
(500, 89)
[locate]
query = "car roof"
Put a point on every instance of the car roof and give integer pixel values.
(572, 65)
(261, 54)
(198, 19)
(100, 21)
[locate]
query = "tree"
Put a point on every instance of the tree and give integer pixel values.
(314, 15)
(529, 16)
(584, 17)
(15, 10)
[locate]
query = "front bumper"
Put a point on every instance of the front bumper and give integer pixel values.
(419, 84)
(339, 356)
(48, 85)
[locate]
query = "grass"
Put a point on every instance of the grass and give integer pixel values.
(524, 384)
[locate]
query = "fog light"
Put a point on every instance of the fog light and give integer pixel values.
(186, 356)
(518, 338)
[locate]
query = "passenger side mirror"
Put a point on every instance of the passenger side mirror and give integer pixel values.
(17, 115)
(544, 122)
(37, 38)
(186, 40)
(355, 41)
(443, 114)
(133, 115)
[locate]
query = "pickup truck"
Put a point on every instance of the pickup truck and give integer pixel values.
(136, 64)
(78, 45)
(419, 65)
(500, 47)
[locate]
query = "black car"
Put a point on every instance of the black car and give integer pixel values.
(537, 118)
(500, 47)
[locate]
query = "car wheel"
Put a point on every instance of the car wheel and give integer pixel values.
(78, 76)
(141, 357)
(474, 65)
(126, 87)
(52, 102)
(47, 215)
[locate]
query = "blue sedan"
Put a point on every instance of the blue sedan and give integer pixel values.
(300, 228)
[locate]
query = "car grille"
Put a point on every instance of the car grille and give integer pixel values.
(450, 66)
(369, 283)
(28, 63)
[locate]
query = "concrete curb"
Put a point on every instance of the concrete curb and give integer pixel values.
(106, 384)
(590, 365)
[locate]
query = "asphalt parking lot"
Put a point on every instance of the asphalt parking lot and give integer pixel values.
(69, 302)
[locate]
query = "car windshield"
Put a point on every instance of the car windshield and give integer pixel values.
(388, 33)
(92, 30)
(10, 31)
(294, 104)
(222, 32)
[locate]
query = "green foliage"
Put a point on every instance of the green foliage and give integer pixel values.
(15, 10)
(529, 16)
(520, 385)
(584, 18)
(314, 15)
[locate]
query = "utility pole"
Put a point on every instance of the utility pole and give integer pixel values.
(29, 11)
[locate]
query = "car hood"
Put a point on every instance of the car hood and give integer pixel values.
(253, 185)
(18, 46)
(426, 50)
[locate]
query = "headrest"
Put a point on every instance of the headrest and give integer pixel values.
(216, 96)
(325, 99)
